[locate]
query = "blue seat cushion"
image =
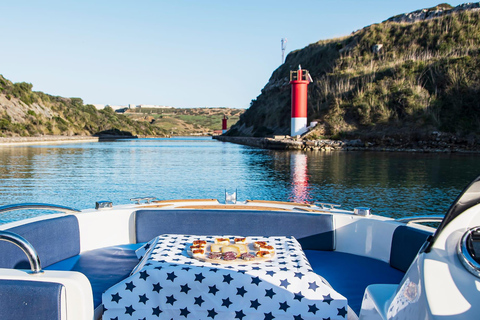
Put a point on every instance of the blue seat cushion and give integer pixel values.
(313, 231)
(22, 299)
(54, 240)
(406, 242)
(350, 274)
(103, 267)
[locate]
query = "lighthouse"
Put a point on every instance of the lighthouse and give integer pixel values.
(299, 80)
(224, 124)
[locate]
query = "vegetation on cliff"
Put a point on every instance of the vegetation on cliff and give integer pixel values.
(24, 112)
(186, 121)
(425, 78)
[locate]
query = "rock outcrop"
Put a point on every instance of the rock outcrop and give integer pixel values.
(431, 13)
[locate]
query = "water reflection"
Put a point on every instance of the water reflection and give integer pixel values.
(299, 178)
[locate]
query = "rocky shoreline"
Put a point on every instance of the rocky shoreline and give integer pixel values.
(437, 145)
(14, 141)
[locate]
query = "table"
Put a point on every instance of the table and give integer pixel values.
(169, 284)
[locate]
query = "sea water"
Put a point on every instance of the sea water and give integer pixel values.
(79, 174)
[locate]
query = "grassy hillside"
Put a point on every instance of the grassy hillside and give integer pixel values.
(24, 112)
(187, 121)
(425, 78)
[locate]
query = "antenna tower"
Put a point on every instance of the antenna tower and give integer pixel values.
(284, 46)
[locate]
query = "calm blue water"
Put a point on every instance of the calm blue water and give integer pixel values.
(77, 175)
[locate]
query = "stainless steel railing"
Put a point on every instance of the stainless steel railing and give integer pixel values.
(40, 206)
(26, 247)
(420, 219)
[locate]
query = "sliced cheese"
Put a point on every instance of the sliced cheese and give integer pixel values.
(231, 248)
(242, 248)
(215, 247)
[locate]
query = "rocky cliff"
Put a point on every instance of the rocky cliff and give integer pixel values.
(404, 78)
(26, 113)
(435, 12)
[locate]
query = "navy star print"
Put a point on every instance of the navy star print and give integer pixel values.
(157, 287)
(213, 290)
(171, 299)
(130, 286)
(239, 314)
(269, 293)
(144, 275)
(241, 291)
(199, 300)
(284, 306)
(156, 311)
(170, 279)
(226, 302)
(254, 304)
(227, 278)
(342, 312)
(116, 297)
(199, 277)
(129, 310)
(313, 286)
(143, 299)
(299, 296)
(212, 313)
(313, 308)
(185, 288)
(171, 276)
(184, 312)
(284, 283)
(327, 298)
(256, 280)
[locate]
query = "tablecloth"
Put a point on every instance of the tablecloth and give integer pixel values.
(169, 284)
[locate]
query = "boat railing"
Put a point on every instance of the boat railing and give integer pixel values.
(26, 247)
(37, 206)
(420, 219)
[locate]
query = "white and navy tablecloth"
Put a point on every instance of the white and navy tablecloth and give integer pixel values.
(168, 284)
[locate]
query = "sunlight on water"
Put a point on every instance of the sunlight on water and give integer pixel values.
(77, 175)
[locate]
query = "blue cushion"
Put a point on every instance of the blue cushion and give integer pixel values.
(314, 231)
(53, 239)
(103, 267)
(21, 300)
(350, 274)
(406, 242)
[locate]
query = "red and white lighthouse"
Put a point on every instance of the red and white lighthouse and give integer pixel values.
(224, 124)
(299, 80)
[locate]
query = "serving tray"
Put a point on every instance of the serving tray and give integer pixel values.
(250, 249)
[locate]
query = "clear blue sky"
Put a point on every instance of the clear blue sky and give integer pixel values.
(178, 53)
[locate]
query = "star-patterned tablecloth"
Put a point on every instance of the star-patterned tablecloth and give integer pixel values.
(169, 284)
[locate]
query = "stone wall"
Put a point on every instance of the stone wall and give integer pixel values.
(437, 144)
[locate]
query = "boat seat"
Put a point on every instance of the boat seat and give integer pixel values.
(103, 267)
(350, 274)
(313, 230)
(54, 240)
(406, 242)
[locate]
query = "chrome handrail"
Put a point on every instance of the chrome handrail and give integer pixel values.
(40, 206)
(420, 219)
(26, 247)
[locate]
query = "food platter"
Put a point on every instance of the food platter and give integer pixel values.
(224, 251)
